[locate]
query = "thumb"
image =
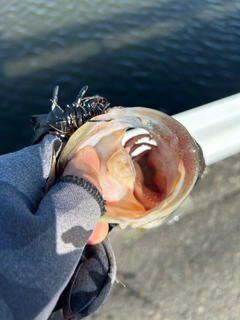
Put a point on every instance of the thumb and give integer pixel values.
(85, 164)
(85, 158)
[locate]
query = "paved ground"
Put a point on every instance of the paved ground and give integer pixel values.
(188, 270)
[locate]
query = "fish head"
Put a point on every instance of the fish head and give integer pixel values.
(149, 163)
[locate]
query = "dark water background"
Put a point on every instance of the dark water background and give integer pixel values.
(167, 55)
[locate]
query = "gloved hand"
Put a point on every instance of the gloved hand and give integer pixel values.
(43, 252)
(86, 164)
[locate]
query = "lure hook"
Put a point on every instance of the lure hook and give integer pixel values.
(80, 95)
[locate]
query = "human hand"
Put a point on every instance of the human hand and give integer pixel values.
(86, 164)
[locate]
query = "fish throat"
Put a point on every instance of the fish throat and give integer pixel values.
(149, 189)
(150, 178)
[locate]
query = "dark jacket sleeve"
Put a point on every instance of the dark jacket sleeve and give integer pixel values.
(42, 241)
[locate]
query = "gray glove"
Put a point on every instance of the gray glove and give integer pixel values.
(44, 258)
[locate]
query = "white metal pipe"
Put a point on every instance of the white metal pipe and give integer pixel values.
(216, 127)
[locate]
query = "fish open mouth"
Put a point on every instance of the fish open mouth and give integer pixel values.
(150, 183)
(152, 162)
(149, 163)
(148, 168)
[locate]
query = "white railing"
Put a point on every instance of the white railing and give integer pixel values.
(216, 127)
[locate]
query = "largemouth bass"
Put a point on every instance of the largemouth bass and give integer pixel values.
(149, 163)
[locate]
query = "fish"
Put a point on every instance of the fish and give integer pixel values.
(149, 163)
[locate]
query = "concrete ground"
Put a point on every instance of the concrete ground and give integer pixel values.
(189, 270)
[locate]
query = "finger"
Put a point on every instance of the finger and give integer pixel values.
(99, 233)
(86, 159)
(85, 164)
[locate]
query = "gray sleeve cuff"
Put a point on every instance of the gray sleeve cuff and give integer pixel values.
(88, 186)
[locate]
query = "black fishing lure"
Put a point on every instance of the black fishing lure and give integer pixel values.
(65, 122)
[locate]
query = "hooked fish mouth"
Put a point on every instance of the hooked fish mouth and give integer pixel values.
(149, 163)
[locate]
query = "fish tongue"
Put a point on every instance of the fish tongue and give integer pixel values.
(121, 168)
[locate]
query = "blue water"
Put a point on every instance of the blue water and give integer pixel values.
(167, 55)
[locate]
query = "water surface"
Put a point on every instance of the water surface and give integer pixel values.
(162, 54)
